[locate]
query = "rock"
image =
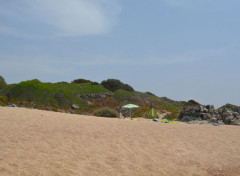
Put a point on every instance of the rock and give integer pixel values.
(199, 109)
(213, 120)
(186, 119)
(197, 122)
(203, 114)
(11, 105)
(215, 124)
(96, 96)
(89, 103)
(192, 110)
(210, 107)
(203, 122)
(205, 110)
(33, 104)
(48, 109)
(74, 107)
(235, 114)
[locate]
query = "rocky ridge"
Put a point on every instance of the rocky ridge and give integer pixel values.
(96, 96)
(207, 114)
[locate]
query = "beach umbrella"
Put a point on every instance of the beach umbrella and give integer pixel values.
(130, 106)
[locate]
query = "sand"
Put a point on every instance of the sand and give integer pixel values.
(42, 143)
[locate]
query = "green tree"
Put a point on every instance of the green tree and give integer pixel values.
(80, 81)
(2, 83)
(114, 84)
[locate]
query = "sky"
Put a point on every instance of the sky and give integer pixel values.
(180, 49)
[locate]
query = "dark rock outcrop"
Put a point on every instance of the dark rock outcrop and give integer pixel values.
(230, 116)
(11, 105)
(96, 96)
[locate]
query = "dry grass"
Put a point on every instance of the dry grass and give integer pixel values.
(41, 143)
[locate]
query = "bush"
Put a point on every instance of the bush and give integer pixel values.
(149, 93)
(171, 116)
(192, 103)
(228, 106)
(106, 112)
(94, 83)
(80, 81)
(3, 100)
(3, 84)
(114, 84)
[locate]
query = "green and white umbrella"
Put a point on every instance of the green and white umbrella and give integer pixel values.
(130, 106)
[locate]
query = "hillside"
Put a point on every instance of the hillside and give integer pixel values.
(88, 95)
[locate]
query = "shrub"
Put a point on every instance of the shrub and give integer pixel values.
(63, 82)
(106, 112)
(3, 84)
(36, 81)
(94, 83)
(3, 100)
(228, 106)
(126, 87)
(114, 84)
(192, 103)
(171, 116)
(149, 93)
(80, 81)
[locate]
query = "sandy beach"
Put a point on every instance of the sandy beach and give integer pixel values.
(42, 143)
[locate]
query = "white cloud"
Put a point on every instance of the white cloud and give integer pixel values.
(60, 17)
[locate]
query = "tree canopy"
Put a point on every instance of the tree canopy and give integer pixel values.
(2, 83)
(114, 84)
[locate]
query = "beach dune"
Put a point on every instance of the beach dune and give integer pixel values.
(42, 143)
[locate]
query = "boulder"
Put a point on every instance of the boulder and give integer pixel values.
(96, 96)
(48, 109)
(74, 107)
(202, 114)
(11, 105)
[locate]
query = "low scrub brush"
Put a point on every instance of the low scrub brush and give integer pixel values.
(106, 112)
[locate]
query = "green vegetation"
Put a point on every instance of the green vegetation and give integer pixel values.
(142, 111)
(170, 107)
(61, 95)
(81, 81)
(149, 93)
(106, 112)
(172, 116)
(228, 106)
(152, 114)
(145, 100)
(3, 100)
(3, 84)
(114, 84)
(125, 96)
(192, 103)
(57, 94)
(174, 108)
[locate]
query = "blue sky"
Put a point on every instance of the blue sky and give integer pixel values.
(181, 49)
